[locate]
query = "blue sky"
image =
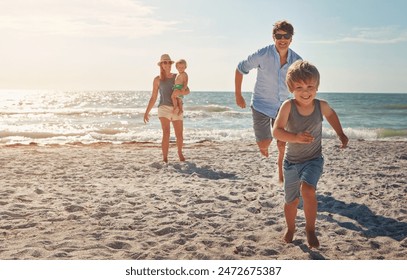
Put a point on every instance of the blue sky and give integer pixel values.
(358, 45)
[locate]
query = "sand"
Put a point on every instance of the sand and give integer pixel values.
(121, 202)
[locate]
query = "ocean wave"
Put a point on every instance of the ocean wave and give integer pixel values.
(390, 133)
(76, 112)
(191, 135)
(368, 134)
(36, 134)
(396, 106)
(208, 108)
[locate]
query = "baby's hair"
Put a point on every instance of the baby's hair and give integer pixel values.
(301, 70)
(181, 61)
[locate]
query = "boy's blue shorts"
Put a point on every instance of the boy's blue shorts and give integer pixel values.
(294, 173)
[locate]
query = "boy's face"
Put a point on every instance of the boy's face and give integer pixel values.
(305, 91)
(180, 67)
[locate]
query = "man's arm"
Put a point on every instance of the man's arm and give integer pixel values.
(238, 90)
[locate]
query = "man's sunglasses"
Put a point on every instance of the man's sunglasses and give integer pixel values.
(280, 36)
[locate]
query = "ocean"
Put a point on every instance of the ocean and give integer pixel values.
(64, 117)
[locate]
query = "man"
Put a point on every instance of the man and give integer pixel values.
(270, 90)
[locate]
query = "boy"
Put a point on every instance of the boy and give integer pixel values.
(299, 123)
(181, 83)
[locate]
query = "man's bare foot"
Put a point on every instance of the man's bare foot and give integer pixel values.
(264, 152)
(264, 147)
(288, 236)
(280, 178)
(312, 239)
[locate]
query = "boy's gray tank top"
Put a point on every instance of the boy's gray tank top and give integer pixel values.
(297, 152)
(165, 90)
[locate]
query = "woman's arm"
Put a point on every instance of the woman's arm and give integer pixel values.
(153, 99)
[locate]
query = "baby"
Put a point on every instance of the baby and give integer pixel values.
(181, 83)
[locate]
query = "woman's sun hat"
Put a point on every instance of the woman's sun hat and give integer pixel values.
(165, 57)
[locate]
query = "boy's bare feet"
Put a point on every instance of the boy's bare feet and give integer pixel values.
(312, 239)
(288, 236)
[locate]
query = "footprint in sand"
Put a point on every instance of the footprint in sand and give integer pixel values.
(74, 208)
(118, 245)
(165, 231)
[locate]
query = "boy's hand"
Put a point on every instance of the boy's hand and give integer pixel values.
(304, 138)
(344, 139)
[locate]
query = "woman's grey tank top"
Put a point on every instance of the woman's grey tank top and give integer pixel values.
(297, 152)
(165, 89)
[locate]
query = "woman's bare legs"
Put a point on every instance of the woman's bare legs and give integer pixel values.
(165, 142)
(179, 135)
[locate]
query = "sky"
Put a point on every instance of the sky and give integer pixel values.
(357, 45)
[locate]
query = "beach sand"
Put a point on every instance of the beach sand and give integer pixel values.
(121, 202)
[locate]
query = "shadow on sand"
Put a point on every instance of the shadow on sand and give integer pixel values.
(366, 222)
(207, 172)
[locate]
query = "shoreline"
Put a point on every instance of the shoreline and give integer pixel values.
(173, 142)
(109, 201)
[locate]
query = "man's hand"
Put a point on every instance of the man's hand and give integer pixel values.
(240, 101)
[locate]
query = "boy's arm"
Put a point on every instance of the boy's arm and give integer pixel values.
(282, 134)
(185, 81)
(333, 120)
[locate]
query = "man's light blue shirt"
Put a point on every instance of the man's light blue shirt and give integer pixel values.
(270, 90)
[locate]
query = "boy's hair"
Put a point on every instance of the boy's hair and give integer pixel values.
(284, 26)
(181, 61)
(301, 70)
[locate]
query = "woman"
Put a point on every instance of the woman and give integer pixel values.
(163, 84)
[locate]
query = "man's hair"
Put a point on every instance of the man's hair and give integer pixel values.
(284, 26)
(301, 71)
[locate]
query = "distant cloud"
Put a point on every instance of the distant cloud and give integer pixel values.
(90, 18)
(381, 35)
